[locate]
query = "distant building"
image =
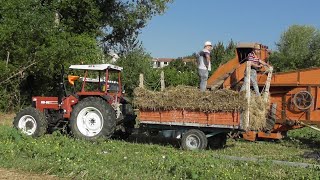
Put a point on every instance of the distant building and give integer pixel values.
(161, 62)
(187, 60)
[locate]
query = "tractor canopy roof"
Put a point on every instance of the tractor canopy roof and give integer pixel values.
(97, 67)
(251, 45)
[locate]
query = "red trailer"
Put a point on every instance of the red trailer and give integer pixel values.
(197, 130)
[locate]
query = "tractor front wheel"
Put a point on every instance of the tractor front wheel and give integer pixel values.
(31, 122)
(92, 118)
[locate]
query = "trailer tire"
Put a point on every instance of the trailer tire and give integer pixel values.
(31, 121)
(194, 139)
(92, 118)
(217, 141)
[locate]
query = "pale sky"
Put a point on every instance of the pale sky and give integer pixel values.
(187, 24)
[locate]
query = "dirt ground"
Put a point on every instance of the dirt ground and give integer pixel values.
(17, 175)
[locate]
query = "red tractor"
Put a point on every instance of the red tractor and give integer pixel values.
(96, 109)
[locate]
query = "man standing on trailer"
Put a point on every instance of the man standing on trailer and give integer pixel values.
(204, 65)
(256, 65)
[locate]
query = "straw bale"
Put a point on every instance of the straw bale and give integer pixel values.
(258, 113)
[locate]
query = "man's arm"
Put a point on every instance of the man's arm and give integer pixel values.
(208, 59)
(264, 63)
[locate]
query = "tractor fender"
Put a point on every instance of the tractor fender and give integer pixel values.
(108, 98)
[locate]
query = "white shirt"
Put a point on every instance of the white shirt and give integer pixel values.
(201, 64)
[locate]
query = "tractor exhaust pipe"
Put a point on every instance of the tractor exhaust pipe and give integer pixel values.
(62, 88)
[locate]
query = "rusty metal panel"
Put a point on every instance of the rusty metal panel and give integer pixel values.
(310, 76)
(224, 118)
(195, 117)
(317, 98)
(191, 118)
(46, 102)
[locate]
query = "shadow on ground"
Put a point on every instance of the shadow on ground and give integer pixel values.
(145, 139)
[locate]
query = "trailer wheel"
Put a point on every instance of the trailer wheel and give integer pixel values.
(31, 122)
(217, 141)
(194, 139)
(92, 118)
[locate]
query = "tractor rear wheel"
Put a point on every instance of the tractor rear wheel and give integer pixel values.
(31, 122)
(194, 139)
(92, 118)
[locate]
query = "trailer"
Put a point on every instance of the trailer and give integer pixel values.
(196, 130)
(199, 128)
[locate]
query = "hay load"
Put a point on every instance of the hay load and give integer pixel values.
(191, 99)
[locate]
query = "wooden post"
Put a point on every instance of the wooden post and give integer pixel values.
(267, 87)
(162, 81)
(248, 95)
(141, 81)
(308, 114)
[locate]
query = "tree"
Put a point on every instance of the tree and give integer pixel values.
(115, 22)
(135, 63)
(221, 54)
(297, 48)
(180, 73)
(32, 33)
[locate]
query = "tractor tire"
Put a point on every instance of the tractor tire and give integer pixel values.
(31, 122)
(194, 139)
(217, 141)
(92, 118)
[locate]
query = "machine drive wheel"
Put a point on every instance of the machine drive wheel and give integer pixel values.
(31, 121)
(217, 141)
(92, 118)
(194, 139)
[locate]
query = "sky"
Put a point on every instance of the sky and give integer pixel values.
(187, 24)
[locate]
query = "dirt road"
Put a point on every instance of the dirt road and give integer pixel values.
(17, 175)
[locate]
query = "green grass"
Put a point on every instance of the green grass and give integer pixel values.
(70, 158)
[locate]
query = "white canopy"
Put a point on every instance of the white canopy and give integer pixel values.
(98, 67)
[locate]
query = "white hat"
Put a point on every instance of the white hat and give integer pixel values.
(207, 43)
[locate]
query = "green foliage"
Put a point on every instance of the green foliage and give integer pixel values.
(75, 159)
(220, 54)
(180, 73)
(298, 48)
(135, 63)
(28, 35)
(115, 22)
(55, 33)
